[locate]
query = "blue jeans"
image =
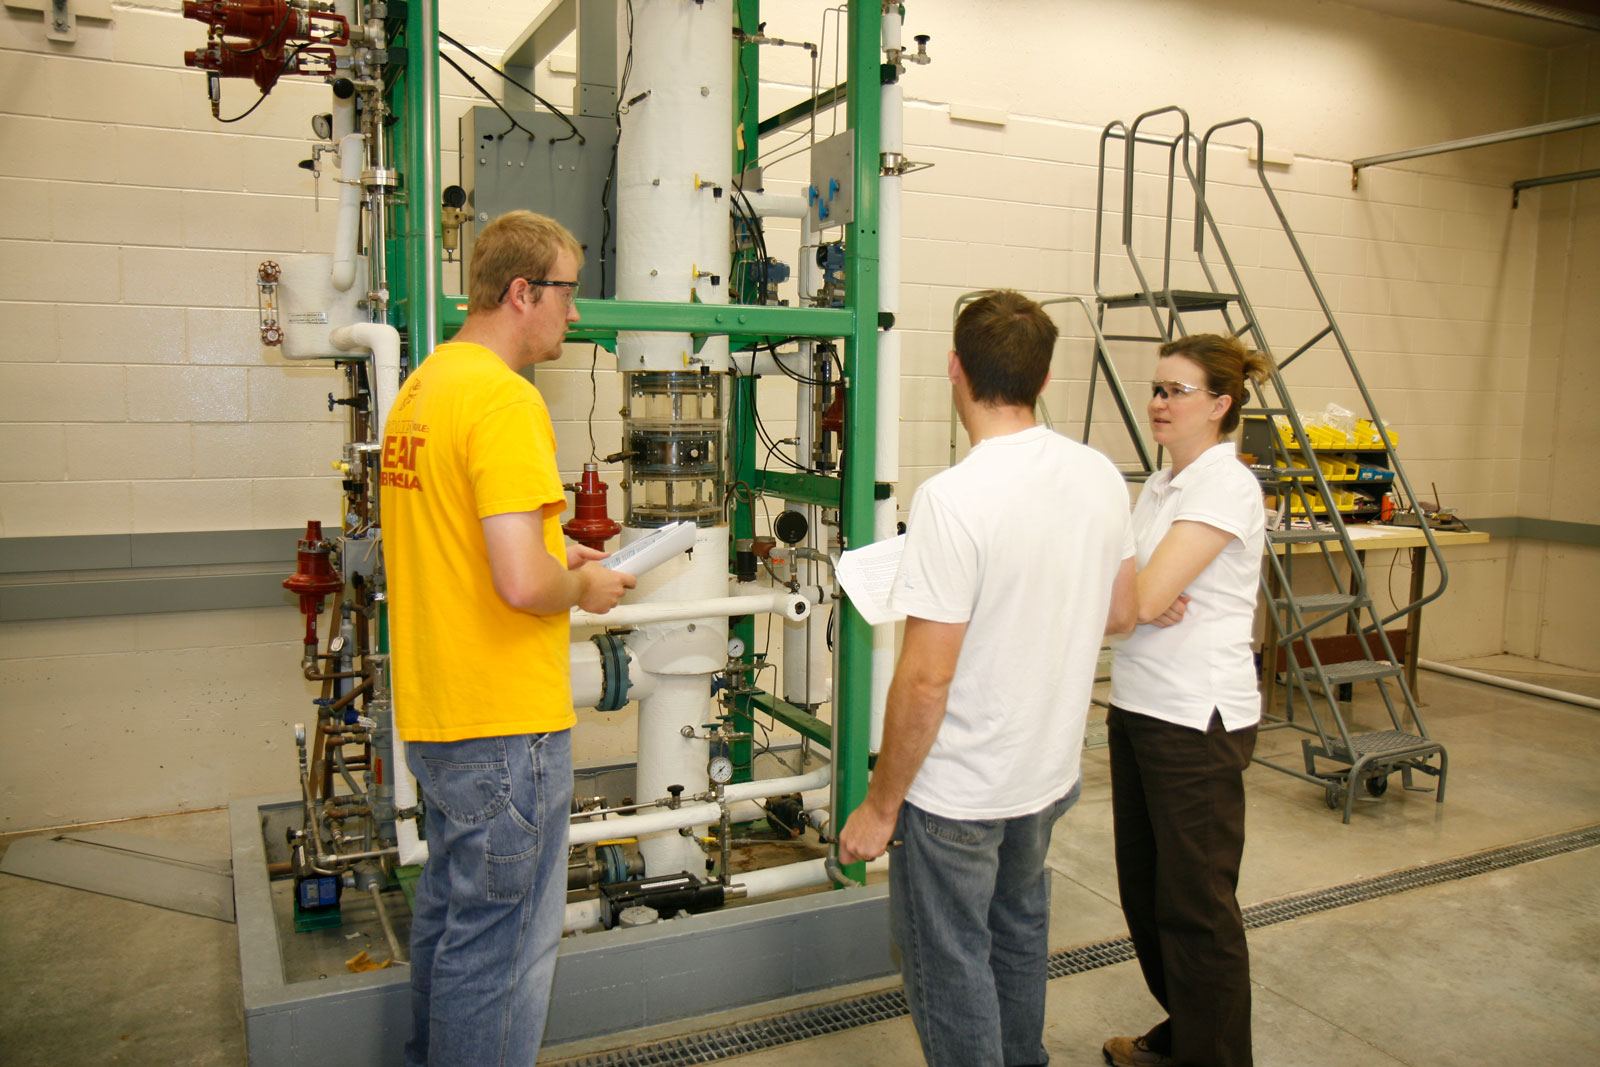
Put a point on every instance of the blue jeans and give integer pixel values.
(492, 896)
(969, 910)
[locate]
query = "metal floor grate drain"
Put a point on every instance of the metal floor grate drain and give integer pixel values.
(712, 1045)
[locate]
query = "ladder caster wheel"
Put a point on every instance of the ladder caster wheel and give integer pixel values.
(1377, 785)
(1332, 794)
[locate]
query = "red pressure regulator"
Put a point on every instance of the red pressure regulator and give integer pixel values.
(590, 525)
(313, 579)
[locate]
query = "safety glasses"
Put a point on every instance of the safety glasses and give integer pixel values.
(570, 289)
(1175, 390)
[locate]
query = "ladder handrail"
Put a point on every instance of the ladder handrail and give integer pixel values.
(1327, 312)
(1102, 361)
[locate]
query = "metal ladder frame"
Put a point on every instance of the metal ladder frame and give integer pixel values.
(1368, 757)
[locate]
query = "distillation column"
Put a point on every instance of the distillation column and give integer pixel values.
(673, 170)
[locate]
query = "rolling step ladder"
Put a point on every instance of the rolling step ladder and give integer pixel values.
(1338, 759)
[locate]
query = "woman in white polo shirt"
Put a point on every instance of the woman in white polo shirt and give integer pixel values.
(1184, 710)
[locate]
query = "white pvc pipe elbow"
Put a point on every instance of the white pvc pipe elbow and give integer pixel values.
(384, 343)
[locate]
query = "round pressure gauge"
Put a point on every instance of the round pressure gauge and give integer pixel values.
(735, 646)
(720, 770)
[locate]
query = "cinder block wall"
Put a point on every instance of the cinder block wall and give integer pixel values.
(135, 399)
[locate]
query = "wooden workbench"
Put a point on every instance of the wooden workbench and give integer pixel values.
(1366, 538)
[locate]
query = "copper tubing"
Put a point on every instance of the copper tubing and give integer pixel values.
(314, 675)
(353, 812)
(344, 701)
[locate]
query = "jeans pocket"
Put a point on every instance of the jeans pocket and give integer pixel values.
(955, 831)
(469, 780)
(514, 836)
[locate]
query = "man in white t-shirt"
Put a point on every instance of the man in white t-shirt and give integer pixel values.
(1015, 560)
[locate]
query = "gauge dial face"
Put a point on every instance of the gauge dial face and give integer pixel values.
(720, 769)
(736, 646)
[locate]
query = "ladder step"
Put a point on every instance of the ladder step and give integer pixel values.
(1284, 474)
(1360, 670)
(1182, 299)
(1319, 602)
(1384, 743)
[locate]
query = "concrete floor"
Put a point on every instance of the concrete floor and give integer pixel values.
(1496, 968)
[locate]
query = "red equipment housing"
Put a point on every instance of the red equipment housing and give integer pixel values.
(590, 525)
(314, 577)
(262, 32)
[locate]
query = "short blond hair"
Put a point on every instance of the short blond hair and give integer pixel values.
(518, 244)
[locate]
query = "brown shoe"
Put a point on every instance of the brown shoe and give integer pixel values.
(1133, 1052)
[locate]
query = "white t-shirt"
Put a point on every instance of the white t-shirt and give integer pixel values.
(1022, 541)
(1179, 674)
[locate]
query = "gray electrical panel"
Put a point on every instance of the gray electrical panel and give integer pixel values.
(552, 173)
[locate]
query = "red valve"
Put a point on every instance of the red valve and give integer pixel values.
(314, 578)
(590, 525)
(261, 34)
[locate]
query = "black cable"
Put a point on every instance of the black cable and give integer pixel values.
(515, 125)
(611, 172)
(772, 349)
(288, 60)
(594, 399)
(554, 110)
(772, 448)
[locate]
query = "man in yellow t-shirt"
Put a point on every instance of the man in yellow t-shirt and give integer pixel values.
(480, 582)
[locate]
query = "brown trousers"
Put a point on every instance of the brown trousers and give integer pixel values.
(1177, 799)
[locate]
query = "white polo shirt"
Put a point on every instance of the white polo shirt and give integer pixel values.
(1021, 541)
(1180, 673)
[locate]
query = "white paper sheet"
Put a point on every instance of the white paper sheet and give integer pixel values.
(867, 575)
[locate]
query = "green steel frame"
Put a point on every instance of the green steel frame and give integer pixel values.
(415, 103)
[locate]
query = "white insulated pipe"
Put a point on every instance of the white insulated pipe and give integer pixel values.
(759, 363)
(885, 525)
(659, 820)
(413, 850)
(352, 160)
(674, 175)
(769, 881)
(772, 880)
(885, 517)
(1510, 683)
(772, 787)
(795, 606)
(384, 343)
(777, 205)
(807, 662)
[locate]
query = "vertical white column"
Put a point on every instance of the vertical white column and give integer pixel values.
(672, 227)
(887, 454)
(672, 245)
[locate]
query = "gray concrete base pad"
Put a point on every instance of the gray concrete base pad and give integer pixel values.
(605, 982)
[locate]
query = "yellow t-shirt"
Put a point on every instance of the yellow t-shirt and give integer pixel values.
(468, 438)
